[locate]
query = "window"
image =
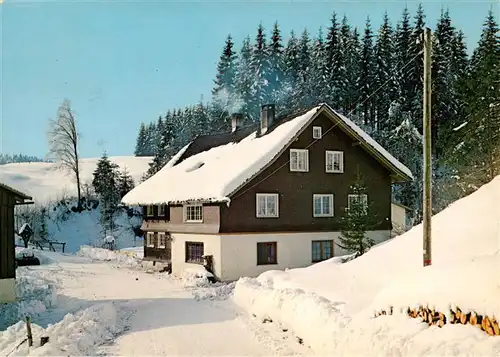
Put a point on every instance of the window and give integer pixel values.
(299, 160)
(316, 132)
(266, 253)
(150, 239)
(162, 240)
(194, 252)
(322, 205)
(162, 209)
(193, 213)
(267, 205)
(335, 161)
(149, 211)
(353, 199)
(321, 250)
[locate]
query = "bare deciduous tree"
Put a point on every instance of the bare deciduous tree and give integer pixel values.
(63, 142)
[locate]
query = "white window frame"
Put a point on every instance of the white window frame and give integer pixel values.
(317, 132)
(194, 206)
(266, 196)
(160, 213)
(304, 153)
(150, 211)
(331, 155)
(160, 236)
(321, 196)
(150, 239)
(352, 196)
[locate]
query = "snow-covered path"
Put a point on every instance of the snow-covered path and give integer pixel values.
(161, 316)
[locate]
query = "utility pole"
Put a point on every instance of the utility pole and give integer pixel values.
(427, 199)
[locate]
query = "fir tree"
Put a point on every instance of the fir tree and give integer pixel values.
(347, 63)
(318, 72)
(277, 70)
(358, 219)
(354, 74)
(125, 183)
(384, 74)
(244, 82)
(225, 86)
(140, 148)
(292, 65)
(366, 79)
(332, 48)
(302, 94)
(403, 40)
(261, 67)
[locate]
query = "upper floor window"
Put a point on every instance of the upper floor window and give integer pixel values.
(316, 132)
(149, 211)
(193, 213)
(150, 239)
(334, 161)
(354, 199)
(299, 160)
(267, 205)
(162, 210)
(323, 205)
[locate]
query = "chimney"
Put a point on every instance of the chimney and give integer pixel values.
(267, 114)
(236, 121)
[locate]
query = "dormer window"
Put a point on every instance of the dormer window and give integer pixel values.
(316, 132)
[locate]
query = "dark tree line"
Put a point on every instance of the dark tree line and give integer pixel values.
(375, 77)
(19, 158)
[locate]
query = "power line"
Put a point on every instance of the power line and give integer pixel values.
(333, 126)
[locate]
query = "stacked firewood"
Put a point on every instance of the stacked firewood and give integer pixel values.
(488, 324)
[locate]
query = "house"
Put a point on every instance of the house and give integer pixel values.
(265, 197)
(9, 197)
(400, 218)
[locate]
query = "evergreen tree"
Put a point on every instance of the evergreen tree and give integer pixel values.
(347, 63)
(277, 70)
(384, 75)
(333, 55)
(292, 68)
(302, 94)
(105, 183)
(476, 144)
(225, 86)
(125, 183)
(140, 148)
(354, 74)
(366, 80)
(403, 40)
(261, 67)
(318, 71)
(244, 82)
(358, 219)
(416, 69)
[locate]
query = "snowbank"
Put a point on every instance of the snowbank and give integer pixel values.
(196, 276)
(75, 335)
(102, 254)
(35, 294)
(44, 259)
(330, 305)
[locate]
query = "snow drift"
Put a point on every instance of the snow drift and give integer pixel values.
(465, 272)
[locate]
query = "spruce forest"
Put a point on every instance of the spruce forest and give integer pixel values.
(374, 76)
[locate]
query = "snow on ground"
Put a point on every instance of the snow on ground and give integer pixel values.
(45, 183)
(100, 254)
(154, 314)
(331, 305)
(43, 258)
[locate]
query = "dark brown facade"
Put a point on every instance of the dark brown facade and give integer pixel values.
(8, 199)
(296, 189)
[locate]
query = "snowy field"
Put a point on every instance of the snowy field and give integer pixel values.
(331, 305)
(111, 308)
(45, 183)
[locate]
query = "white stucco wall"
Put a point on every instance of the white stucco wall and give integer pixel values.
(398, 218)
(239, 251)
(211, 246)
(235, 256)
(7, 290)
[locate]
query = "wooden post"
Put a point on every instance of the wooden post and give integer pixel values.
(30, 335)
(427, 184)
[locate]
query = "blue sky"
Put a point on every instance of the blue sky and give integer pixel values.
(123, 62)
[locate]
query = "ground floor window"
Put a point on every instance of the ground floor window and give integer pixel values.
(194, 252)
(150, 239)
(162, 240)
(322, 250)
(267, 253)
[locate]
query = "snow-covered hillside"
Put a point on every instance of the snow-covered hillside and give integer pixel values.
(331, 305)
(44, 182)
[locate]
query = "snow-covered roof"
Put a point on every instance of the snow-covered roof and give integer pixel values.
(215, 174)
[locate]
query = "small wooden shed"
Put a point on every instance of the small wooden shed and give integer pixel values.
(9, 198)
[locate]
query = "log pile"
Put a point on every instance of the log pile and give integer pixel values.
(428, 315)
